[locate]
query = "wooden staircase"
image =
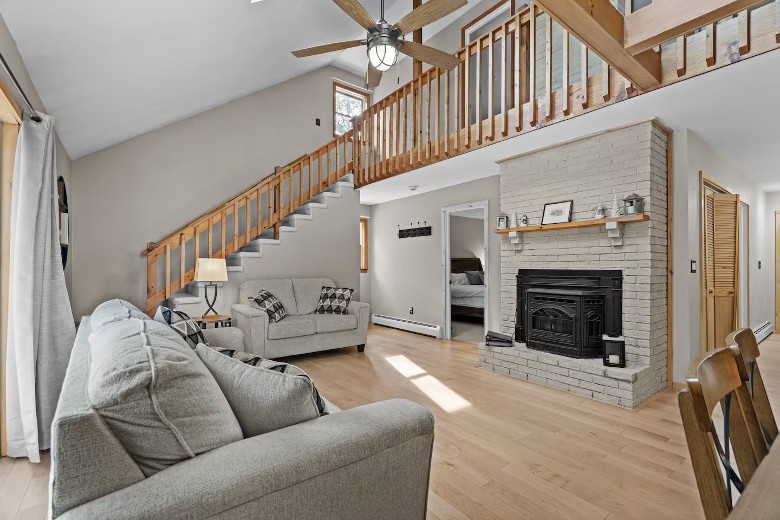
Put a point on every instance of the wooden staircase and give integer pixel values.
(520, 84)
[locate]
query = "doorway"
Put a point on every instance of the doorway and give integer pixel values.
(725, 289)
(465, 233)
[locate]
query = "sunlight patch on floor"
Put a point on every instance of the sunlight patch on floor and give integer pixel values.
(443, 396)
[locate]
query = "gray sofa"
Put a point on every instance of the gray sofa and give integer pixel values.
(301, 331)
(368, 462)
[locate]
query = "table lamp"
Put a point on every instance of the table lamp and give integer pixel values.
(211, 271)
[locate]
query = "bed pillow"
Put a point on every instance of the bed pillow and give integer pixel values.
(265, 395)
(459, 279)
(475, 277)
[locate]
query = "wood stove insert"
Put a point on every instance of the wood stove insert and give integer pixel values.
(567, 312)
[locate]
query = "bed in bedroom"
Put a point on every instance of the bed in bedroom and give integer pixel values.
(467, 290)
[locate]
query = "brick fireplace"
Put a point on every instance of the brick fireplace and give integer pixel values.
(591, 172)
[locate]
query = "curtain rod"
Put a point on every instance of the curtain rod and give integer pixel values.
(33, 114)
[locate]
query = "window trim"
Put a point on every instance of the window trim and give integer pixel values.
(488, 13)
(350, 89)
(364, 247)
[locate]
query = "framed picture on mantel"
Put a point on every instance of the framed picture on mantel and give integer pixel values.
(557, 212)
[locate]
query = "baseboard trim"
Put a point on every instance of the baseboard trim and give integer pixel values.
(417, 327)
(763, 331)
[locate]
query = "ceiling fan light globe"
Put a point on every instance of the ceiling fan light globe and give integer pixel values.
(382, 55)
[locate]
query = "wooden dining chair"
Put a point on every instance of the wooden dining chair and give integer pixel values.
(716, 377)
(746, 342)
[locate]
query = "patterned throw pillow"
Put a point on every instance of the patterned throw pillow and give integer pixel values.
(181, 323)
(334, 301)
(270, 304)
(268, 364)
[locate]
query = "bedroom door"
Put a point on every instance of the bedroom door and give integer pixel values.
(465, 233)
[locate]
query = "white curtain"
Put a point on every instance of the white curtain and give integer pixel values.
(41, 329)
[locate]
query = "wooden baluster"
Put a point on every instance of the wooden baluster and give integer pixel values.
(386, 139)
(549, 95)
(390, 135)
(584, 75)
(337, 154)
(532, 65)
(182, 267)
(151, 277)
(710, 44)
(459, 100)
(259, 195)
(504, 43)
(397, 108)
(376, 142)
(479, 91)
(418, 108)
(235, 226)
(222, 233)
(605, 76)
(197, 244)
(491, 84)
(519, 79)
(277, 207)
(210, 239)
(467, 104)
(743, 24)
(331, 172)
(168, 270)
(682, 59)
(447, 113)
(428, 82)
(406, 125)
(438, 112)
(248, 216)
(566, 105)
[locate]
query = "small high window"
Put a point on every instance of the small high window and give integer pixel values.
(348, 102)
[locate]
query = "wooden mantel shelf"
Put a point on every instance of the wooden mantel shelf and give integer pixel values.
(574, 225)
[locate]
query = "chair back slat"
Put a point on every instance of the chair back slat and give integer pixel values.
(745, 341)
(717, 377)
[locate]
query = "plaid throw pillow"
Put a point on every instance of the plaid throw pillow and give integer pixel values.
(181, 323)
(268, 364)
(270, 304)
(334, 301)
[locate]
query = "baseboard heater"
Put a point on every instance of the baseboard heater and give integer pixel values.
(412, 326)
(763, 331)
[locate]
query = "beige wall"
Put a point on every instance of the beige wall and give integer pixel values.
(145, 188)
(467, 237)
(408, 272)
(770, 259)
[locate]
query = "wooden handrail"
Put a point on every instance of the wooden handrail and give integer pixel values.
(441, 114)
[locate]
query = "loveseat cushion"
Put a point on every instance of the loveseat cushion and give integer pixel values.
(156, 395)
(292, 327)
(265, 395)
(307, 292)
(282, 288)
(114, 310)
(335, 322)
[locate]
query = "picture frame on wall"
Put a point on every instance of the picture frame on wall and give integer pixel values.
(502, 222)
(557, 212)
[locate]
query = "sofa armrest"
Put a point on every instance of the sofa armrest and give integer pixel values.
(368, 462)
(363, 312)
(254, 324)
(225, 337)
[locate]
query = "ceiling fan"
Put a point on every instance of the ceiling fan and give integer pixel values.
(385, 41)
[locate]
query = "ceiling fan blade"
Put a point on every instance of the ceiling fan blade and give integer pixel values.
(357, 12)
(330, 47)
(373, 77)
(428, 13)
(430, 55)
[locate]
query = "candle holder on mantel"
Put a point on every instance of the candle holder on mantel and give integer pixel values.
(614, 351)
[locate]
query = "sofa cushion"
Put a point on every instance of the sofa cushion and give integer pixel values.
(265, 395)
(334, 300)
(181, 322)
(265, 301)
(282, 288)
(156, 395)
(292, 327)
(114, 310)
(307, 292)
(335, 322)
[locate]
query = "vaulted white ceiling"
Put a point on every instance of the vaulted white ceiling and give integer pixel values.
(111, 70)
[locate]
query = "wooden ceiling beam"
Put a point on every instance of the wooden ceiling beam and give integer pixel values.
(665, 20)
(600, 26)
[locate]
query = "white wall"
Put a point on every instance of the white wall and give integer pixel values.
(145, 188)
(691, 156)
(467, 237)
(408, 272)
(770, 259)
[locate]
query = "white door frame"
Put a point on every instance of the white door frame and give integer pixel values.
(445, 260)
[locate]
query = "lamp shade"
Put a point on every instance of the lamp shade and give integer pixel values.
(211, 270)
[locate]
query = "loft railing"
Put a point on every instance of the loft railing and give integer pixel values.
(525, 74)
(233, 224)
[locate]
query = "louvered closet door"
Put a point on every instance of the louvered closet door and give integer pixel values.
(721, 268)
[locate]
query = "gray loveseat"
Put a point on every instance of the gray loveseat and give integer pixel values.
(300, 332)
(368, 462)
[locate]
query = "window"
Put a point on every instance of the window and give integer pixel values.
(348, 102)
(363, 245)
(490, 19)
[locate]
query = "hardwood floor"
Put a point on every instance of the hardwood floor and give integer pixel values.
(504, 449)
